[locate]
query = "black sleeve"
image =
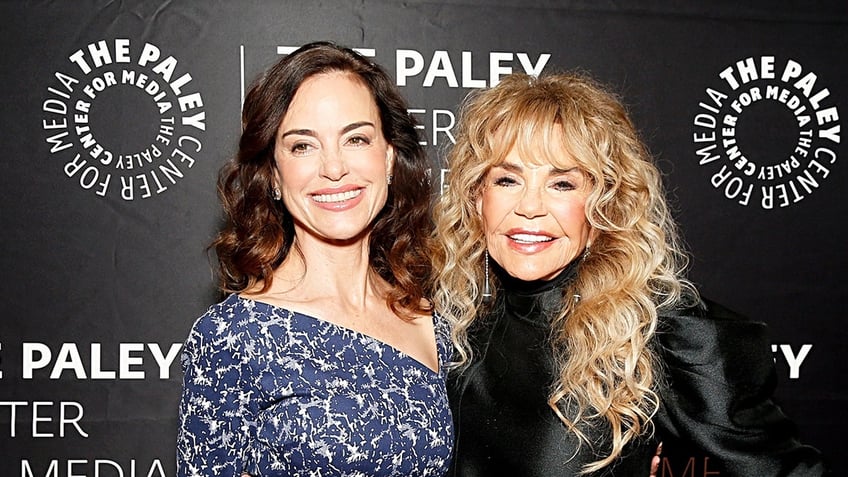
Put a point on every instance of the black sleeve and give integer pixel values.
(717, 395)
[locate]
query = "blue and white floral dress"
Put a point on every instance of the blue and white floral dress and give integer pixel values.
(268, 391)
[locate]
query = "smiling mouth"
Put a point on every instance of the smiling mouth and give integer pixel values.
(530, 238)
(337, 197)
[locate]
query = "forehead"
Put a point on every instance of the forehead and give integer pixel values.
(535, 147)
(332, 95)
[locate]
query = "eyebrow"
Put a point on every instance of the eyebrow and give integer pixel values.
(310, 132)
(512, 167)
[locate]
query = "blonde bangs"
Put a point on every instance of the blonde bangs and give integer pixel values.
(538, 127)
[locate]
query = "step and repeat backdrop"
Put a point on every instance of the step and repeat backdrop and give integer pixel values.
(117, 116)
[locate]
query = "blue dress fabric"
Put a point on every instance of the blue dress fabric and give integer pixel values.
(273, 392)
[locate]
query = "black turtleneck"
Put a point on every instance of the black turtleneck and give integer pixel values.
(503, 423)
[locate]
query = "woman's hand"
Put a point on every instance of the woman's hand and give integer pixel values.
(655, 462)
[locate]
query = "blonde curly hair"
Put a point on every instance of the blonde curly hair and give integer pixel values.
(607, 370)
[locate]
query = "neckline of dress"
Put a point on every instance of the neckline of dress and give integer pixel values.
(435, 318)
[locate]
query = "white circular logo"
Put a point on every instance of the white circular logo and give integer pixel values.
(767, 133)
(125, 119)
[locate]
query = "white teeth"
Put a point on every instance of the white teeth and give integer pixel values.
(339, 197)
(528, 238)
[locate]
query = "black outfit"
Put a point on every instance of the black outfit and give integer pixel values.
(716, 391)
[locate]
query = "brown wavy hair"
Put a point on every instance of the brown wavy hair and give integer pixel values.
(259, 231)
(606, 369)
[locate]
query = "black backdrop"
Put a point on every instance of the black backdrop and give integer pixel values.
(117, 116)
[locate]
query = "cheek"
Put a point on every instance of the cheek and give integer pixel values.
(372, 164)
(493, 208)
(293, 174)
(572, 217)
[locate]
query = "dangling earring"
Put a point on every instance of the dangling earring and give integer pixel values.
(586, 252)
(487, 291)
(389, 167)
(276, 193)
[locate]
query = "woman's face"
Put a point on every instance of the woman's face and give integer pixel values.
(534, 216)
(332, 159)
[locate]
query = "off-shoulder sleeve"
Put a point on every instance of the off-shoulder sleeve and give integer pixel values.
(720, 378)
(215, 418)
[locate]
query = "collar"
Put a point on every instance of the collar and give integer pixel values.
(536, 301)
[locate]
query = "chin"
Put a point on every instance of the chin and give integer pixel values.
(532, 275)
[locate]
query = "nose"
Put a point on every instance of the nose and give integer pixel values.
(333, 165)
(531, 203)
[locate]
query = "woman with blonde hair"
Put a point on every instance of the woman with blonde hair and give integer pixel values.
(580, 343)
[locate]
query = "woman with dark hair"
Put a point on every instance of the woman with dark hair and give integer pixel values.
(326, 358)
(581, 343)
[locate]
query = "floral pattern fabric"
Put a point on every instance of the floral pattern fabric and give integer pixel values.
(269, 391)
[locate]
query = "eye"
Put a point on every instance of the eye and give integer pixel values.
(563, 185)
(300, 148)
(358, 141)
(504, 181)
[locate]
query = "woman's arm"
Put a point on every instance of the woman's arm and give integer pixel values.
(718, 395)
(215, 419)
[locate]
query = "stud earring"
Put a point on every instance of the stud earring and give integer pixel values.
(276, 194)
(388, 179)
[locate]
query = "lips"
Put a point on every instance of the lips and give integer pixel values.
(529, 241)
(523, 235)
(529, 238)
(337, 196)
(338, 199)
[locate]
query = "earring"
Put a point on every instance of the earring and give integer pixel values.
(487, 291)
(276, 194)
(388, 179)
